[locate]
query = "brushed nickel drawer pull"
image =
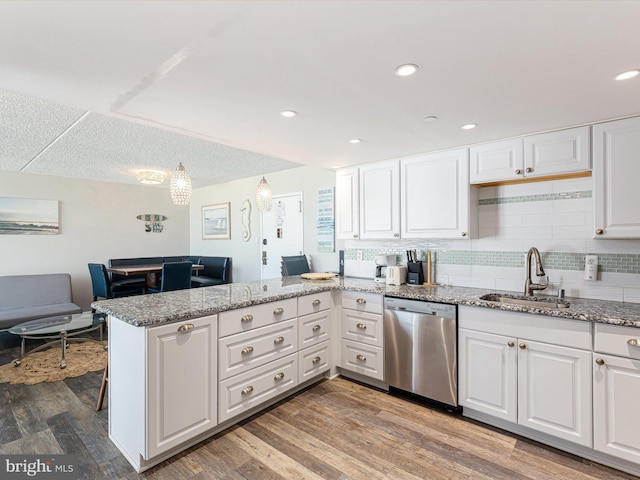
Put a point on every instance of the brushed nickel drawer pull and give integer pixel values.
(361, 357)
(278, 376)
(316, 302)
(278, 311)
(361, 326)
(186, 327)
(278, 340)
(246, 318)
(634, 342)
(315, 328)
(316, 360)
(247, 350)
(361, 301)
(247, 390)
(599, 361)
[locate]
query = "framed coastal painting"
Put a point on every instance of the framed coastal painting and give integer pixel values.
(28, 216)
(216, 224)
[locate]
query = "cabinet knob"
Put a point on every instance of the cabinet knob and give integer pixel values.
(634, 342)
(361, 357)
(522, 346)
(361, 301)
(518, 171)
(246, 390)
(361, 326)
(528, 169)
(511, 344)
(186, 327)
(316, 360)
(247, 350)
(396, 235)
(246, 318)
(599, 361)
(278, 376)
(599, 231)
(355, 235)
(315, 328)
(316, 302)
(464, 234)
(278, 340)
(278, 311)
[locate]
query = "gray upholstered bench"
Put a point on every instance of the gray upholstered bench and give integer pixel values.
(28, 297)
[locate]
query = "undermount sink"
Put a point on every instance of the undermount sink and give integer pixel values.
(526, 301)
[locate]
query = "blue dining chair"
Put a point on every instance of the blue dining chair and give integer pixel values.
(175, 276)
(294, 265)
(102, 287)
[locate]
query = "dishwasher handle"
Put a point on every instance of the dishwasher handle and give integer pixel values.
(404, 309)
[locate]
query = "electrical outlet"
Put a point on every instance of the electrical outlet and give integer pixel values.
(359, 255)
(591, 267)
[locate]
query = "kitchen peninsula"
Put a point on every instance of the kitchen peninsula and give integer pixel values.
(184, 365)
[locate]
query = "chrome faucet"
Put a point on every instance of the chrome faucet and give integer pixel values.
(529, 286)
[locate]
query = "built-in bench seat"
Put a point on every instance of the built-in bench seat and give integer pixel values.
(29, 297)
(217, 271)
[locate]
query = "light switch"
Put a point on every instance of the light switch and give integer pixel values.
(591, 267)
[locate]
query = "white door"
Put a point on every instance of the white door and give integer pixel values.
(488, 374)
(496, 161)
(347, 203)
(554, 390)
(616, 389)
(557, 152)
(282, 232)
(380, 200)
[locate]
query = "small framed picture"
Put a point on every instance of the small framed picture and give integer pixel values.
(216, 224)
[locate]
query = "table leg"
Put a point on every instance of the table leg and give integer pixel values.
(63, 343)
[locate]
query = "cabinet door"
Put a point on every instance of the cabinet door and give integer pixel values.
(554, 390)
(380, 200)
(182, 382)
(487, 375)
(435, 195)
(616, 171)
(616, 389)
(497, 161)
(558, 152)
(347, 203)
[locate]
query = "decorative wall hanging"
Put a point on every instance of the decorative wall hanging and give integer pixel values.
(326, 220)
(216, 222)
(152, 222)
(28, 216)
(245, 212)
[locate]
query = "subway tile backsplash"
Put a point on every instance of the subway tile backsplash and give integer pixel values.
(554, 216)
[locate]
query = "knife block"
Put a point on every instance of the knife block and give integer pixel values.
(415, 274)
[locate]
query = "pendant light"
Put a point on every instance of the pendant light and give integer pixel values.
(180, 186)
(263, 196)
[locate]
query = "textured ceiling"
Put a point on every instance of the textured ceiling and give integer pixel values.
(221, 71)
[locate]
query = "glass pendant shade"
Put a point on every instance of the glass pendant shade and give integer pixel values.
(180, 186)
(263, 196)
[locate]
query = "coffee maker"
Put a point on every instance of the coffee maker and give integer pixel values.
(382, 262)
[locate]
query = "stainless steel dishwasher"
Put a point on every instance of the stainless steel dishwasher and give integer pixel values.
(421, 348)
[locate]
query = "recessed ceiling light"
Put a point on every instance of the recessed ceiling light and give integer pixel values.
(406, 70)
(627, 75)
(469, 126)
(288, 113)
(336, 166)
(355, 140)
(430, 119)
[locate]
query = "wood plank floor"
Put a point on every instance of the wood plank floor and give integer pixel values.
(336, 429)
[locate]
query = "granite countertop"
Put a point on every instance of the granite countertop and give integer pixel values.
(161, 308)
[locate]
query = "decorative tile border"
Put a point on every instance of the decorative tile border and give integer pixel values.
(536, 198)
(608, 262)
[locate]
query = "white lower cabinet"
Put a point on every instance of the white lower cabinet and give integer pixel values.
(524, 369)
(313, 361)
(364, 359)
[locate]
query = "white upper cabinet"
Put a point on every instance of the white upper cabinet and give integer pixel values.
(435, 195)
(553, 153)
(379, 200)
(347, 203)
(616, 171)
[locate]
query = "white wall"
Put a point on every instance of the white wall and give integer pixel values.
(97, 222)
(246, 255)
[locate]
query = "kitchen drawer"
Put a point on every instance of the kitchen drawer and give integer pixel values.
(313, 303)
(314, 328)
(362, 327)
(314, 360)
(247, 390)
(362, 302)
(244, 351)
(364, 359)
(244, 319)
(617, 340)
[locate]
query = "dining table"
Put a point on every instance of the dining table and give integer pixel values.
(151, 271)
